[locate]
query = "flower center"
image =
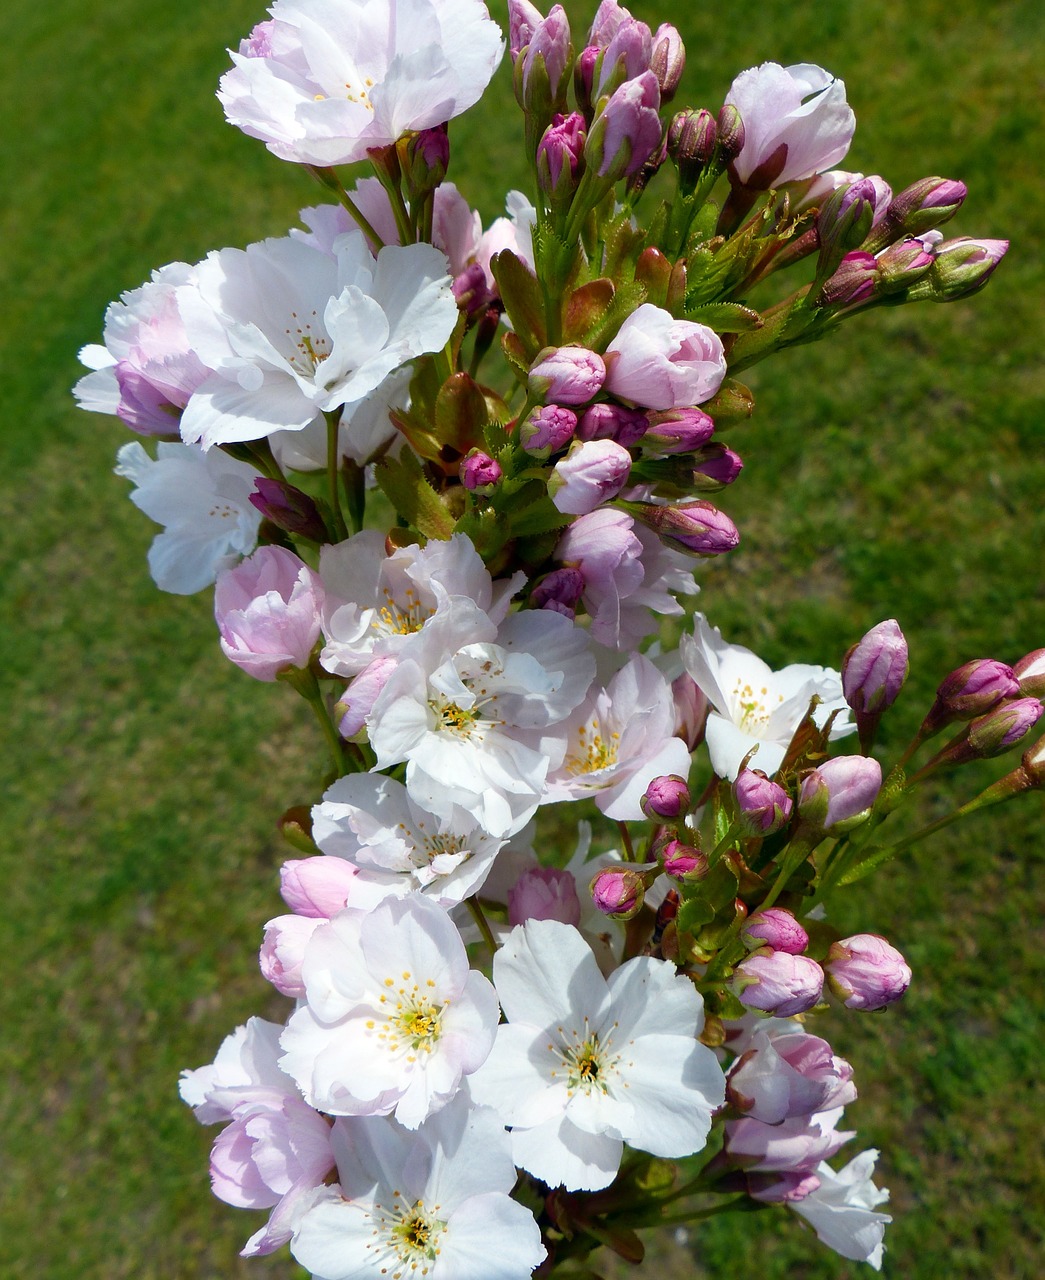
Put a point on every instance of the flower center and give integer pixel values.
(407, 1238)
(590, 1063)
(594, 752)
(402, 617)
(412, 1020)
(751, 712)
(310, 348)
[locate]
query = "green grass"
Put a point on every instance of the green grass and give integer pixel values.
(894, 471)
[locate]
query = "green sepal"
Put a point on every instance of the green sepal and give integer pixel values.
(586, 309)
(402, 480)
(460, 413)
(521, 295)
(726, 317)
(626, 299)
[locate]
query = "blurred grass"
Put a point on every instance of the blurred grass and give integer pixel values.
(894, 471)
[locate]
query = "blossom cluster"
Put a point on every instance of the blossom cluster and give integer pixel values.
(447, 482)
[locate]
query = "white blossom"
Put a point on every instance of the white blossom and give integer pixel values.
(203, 502)
(753, 706)
(587, 1063)
(843, 1210)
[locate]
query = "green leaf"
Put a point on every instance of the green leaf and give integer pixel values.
(403, 482)
(521, 295)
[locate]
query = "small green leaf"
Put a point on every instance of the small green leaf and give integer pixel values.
(403, 482)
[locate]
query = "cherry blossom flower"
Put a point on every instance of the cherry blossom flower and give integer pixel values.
(373, 823)
(293, 333)
(473, 710)
(376, 601)
(325, 80)
(268, 612)
(843, 1210)
(587, 1063)
(619, 739)
(146, 370)
(434, 1202)
(753, 706)
(276, 1151)
(393, 1017)
(203, 502)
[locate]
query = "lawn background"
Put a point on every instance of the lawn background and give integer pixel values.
(894, 471)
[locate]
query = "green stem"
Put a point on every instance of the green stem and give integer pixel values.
(328, 178)
(303, 679)
(625, 835)
(479, 916)
(729, 838)
(340, 530)
(696, 1215)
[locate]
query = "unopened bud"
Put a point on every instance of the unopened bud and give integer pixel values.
(666, 796)
(288, 508)
(480, 473)
(668, 60)
(544, 893)
(1030, 672)
(718, 464)
(567, 375)
(875, 668)
(1003, 727)
(618, 892)
(692, 140)
(902, 265)
(961, 267)
(559, 591)
(971, 690)
(626, 131)
(425, 160)
(844, 222)
(853, 281)
(865, 972)
(777, 929)
(779, 983)
(605, 421)
(730, 133)
(922, 206)
(677, 431)
(696, 527)
(683, 861)
(762, 805)
(839, 795)
(559, 155)
(548, 429)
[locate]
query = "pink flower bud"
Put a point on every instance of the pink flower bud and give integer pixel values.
(845, 218)
(268, 610)
(523, 19)
(617, 892)
(691, 710)
(560, 590)
(839, 794)
(480, 472)
(627, 131)
(627, 55)
(548, 429)
(546, 61)
(692, 136)
(960, 267)
(663, 363)
(763, 804)
(668, 60)
(971, 690)
(317, 887)
(1030, 673)
(683, 861)
(777, 929)
(782, 1188)
(875, 668)
(567, 375)
(591, 473)
(426, 160)
(696, 527)
(666, 796)
(612, 422)
(783, 984)
(544, 893)
(718, 464)
(853, 281)
(282, 951)
(288, 508)
(357, 702)
(731, 134)
(865, 972)
(902, 264)
(924, 205)
(1002, 727)
(559, 155)
(677, 431)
